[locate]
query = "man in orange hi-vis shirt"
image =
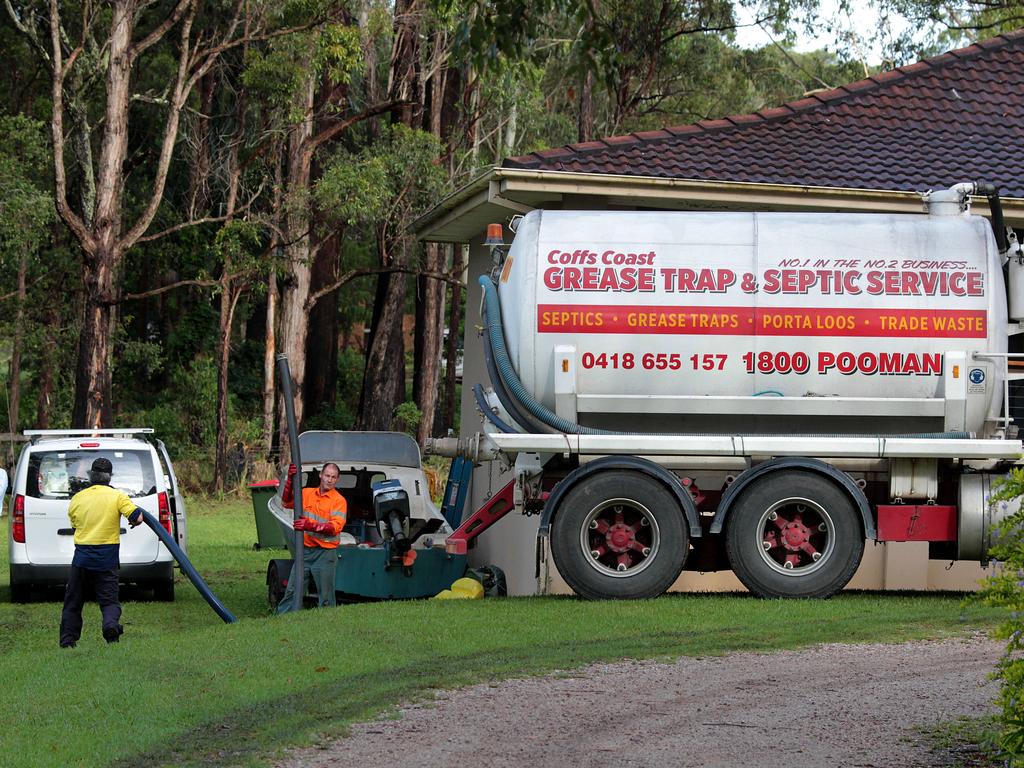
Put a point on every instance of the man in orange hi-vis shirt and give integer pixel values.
(325, 510)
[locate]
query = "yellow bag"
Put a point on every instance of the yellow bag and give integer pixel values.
(463, 589)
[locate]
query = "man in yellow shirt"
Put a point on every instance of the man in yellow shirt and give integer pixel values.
(325, 512)
(95, 515)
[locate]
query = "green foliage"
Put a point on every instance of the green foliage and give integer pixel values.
(277, 73)
(1006, 590)
(408, 417)
(388, 183)
(339, 52)
(26, 208)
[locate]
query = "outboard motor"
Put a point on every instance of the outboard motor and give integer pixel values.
(391, 509)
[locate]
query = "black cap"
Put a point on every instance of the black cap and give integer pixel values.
(102, 465)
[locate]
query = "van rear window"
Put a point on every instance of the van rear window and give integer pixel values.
(62, 474)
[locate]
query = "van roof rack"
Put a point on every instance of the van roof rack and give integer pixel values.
(43, 434)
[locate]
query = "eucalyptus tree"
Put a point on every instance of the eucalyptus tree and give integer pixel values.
(97, 54)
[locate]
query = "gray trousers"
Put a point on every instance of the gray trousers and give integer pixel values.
(320, 563)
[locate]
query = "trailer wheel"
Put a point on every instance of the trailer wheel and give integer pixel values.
(794, 534)
(278, 572)
(619, 535)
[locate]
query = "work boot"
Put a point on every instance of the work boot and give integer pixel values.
(67, 645)
(113, 634)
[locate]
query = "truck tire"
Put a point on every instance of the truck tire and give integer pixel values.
(794, 534)
(620, 535)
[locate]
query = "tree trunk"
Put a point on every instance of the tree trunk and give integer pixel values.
(586, 117)
(14, 407)
(447, 411)
(322, 347)
(92, 381)
(430, 311)
(47, 365)
(295, 291)
(199, 168)
(384, 377)
(269, 355)
(228, 301)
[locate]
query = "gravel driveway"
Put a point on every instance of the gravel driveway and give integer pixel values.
(830, 705)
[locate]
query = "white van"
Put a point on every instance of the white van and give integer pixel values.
(52, 468)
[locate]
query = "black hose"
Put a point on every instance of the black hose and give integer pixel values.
(995, 205)
(188, 569)
(491, 416)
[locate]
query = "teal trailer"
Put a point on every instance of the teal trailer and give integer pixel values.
(376, 561)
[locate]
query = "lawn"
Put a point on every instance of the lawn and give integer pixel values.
(185, 689)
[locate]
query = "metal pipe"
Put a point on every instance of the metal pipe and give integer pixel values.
(293, 438)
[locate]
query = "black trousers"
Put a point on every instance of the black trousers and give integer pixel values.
(102, 584)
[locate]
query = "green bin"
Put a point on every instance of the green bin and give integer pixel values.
(268, 532)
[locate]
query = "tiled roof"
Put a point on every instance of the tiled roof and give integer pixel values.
(950, 118)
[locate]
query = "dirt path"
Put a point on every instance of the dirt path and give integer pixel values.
(853, 706)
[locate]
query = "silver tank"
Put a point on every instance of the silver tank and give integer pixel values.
(756, 322)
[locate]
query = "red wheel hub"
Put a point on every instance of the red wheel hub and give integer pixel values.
(790, 542)
(618, 538)
(795, 534)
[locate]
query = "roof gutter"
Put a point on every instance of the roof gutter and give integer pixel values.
(512, 188)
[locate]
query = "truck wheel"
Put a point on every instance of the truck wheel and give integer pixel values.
(794, 534)
(620, 535)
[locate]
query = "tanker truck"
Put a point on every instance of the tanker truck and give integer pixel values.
(761, 392)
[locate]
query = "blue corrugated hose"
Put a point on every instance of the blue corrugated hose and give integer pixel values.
(188, 569)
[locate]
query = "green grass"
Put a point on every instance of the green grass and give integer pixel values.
(184, 689)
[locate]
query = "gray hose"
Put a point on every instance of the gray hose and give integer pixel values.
(494, 335)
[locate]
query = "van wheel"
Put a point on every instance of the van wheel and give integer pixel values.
(619, 534)
(163, 591)
(794, 534)
(20, 593)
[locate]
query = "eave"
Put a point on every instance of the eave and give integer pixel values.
(499, 193)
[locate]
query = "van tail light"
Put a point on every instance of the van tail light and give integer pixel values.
(165, 511)
(18, 519)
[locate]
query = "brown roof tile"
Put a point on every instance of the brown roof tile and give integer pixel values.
(950, 118)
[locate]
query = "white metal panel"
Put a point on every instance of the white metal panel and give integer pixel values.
(730, 303)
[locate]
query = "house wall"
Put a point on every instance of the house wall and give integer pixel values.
(511, 544)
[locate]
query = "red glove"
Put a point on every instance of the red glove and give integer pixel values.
(304, 524)
(286, 494)
(321, 527)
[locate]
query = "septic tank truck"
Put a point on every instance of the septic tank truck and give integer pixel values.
(761, 392)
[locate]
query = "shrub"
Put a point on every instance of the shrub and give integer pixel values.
(1006, 590)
